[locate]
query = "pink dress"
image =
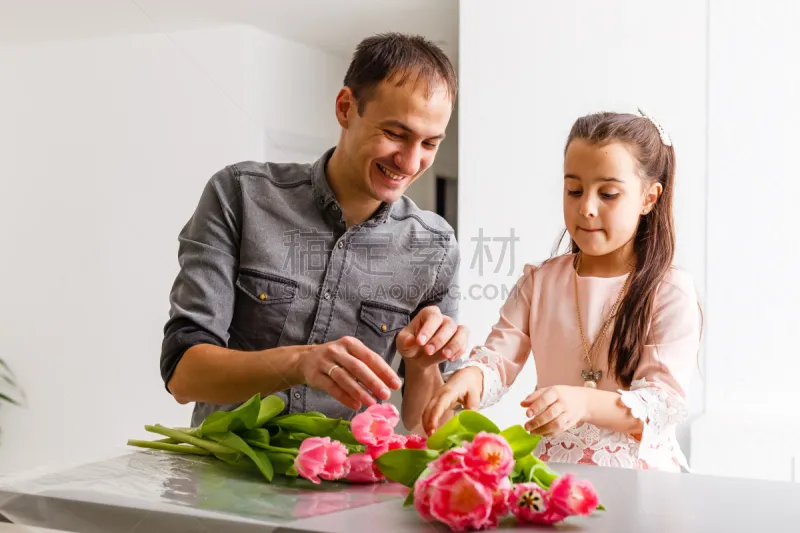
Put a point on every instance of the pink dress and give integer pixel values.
(539, 316)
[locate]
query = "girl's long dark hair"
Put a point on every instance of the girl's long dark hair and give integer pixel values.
(654, 242)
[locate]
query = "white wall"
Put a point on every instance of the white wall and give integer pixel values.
(753, 286)
(528, 70)
(107, 138)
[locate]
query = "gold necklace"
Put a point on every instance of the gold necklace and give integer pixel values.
(592, 376)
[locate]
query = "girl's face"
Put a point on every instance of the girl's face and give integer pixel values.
(604, 197)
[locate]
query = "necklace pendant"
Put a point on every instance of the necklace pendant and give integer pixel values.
(591, 377)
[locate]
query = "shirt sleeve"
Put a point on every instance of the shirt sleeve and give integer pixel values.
(507, 348)
(657, 395)
(202, 295)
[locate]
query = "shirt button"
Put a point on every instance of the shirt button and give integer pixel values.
(327, 295)
(263, 296)
(341, 244)
(383, 327)
(335, 207)
(296, 395)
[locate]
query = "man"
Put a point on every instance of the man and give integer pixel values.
(305, 280)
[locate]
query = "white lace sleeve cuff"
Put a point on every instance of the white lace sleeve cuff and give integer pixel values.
(491, 366)
(661, 410)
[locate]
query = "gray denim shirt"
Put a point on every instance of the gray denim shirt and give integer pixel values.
(266, 260)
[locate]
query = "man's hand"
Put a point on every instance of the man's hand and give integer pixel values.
(346, 369)
(431, 338)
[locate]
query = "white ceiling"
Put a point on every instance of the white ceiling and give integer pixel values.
(333, 25)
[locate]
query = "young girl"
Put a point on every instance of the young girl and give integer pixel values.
(613, 326)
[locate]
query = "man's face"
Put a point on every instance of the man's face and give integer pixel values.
(395, 139)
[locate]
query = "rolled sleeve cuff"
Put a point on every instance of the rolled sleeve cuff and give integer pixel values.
(179, 336)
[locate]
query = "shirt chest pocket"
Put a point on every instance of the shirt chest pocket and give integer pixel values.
(378, 325)
(262, 305)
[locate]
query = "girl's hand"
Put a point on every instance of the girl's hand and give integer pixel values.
(463, 388)
(556, 409)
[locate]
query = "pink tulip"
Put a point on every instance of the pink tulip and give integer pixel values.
(416, 442)
(460, 501)
(362, 469)
(530, 503)
(375, 426)
(573, 497)
(501, 498)
(423, 490)
(490, 455)
(320, 457)
(449, 460)
(394, 442)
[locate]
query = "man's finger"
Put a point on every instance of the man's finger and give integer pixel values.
(457, 345)
(330, 386)
(354, 367)
(405, 339)
(431, 319)
(446, 330)
(343, 379)
(375, 362)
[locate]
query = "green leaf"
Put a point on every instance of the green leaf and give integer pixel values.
(531, 468)
(314, 426)
(243, 417)
(260, 458)
(345, 436)
(283, 463)
(169, 447)
(456, 440)
(256, 437)
(404, 466)
(221, 452)
(439, 439)
(270, 407)
(522, 469)
(284, 439)
(410, 498)
(475, 422)
(522, 442)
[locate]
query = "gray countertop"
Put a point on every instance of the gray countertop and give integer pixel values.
(148, 491)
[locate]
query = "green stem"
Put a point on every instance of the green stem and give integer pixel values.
(180, 436)
(160, 445)
(269, 448)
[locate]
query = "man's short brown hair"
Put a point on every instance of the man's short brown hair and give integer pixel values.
(398, 57)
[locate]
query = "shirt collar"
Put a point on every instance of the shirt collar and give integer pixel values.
(326, 199)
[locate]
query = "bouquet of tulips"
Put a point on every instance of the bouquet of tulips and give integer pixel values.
(467, 475)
